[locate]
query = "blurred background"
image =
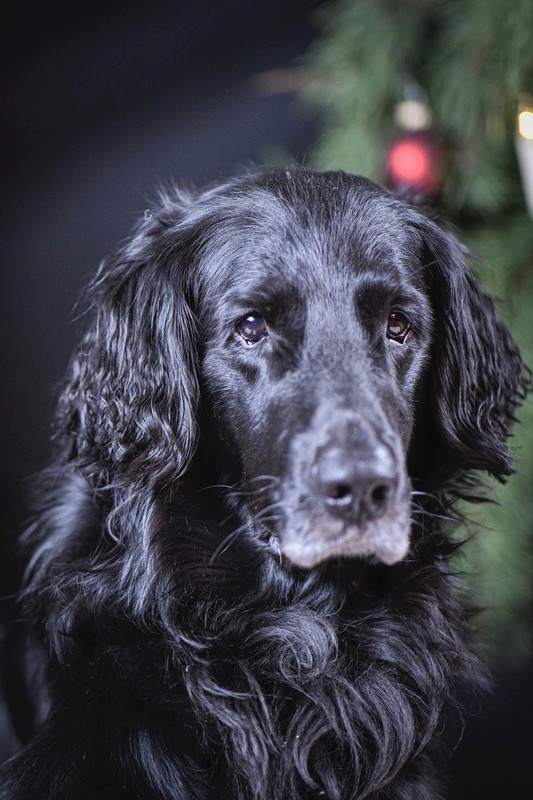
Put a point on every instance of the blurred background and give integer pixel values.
(104, 100)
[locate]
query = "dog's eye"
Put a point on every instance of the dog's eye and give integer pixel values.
(252, 328)
(398, 326)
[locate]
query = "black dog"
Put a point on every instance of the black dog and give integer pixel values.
(239, 575)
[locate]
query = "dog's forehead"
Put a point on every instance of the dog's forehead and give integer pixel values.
(297, 232)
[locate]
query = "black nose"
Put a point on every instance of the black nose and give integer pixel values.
(355, 489)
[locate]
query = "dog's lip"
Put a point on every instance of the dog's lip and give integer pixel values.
(386, 540)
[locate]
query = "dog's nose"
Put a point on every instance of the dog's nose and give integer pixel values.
(353, 488)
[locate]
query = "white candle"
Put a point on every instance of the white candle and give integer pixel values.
(524, 152)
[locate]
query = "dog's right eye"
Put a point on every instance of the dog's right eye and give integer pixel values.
(252, 329)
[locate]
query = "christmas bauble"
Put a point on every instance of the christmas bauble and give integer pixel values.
(415, 166)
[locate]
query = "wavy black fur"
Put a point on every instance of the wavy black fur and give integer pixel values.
(201, 627)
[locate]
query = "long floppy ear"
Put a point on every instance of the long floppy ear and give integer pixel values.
(126, 428)
(478, 376)
(130, 404)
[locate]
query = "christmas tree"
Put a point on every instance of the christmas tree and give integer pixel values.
(430, 97)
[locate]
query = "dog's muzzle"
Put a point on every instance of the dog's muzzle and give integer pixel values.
(348, 494)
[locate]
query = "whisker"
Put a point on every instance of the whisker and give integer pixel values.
(226, 543)
(263, 516)
(217, 486)
(432, 515)
(270, 481)
(420, 511)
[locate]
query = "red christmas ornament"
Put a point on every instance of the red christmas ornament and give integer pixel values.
(415, 166)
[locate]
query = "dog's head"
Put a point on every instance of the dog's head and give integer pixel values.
(327, 335)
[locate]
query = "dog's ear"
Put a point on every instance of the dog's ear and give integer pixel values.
(478, 376)
(130, 404)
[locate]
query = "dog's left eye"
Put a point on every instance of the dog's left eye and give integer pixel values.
(252, 328)
(398, 326)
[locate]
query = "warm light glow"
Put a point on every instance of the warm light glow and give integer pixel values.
(525, 124)
(414, 165)
(410, 162)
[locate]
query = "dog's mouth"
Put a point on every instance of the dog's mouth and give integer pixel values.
(307, 544)
(314, 528)
(345, 492)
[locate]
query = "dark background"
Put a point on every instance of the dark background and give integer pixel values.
(101, 101)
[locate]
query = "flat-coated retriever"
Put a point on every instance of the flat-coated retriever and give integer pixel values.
(239, 576)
